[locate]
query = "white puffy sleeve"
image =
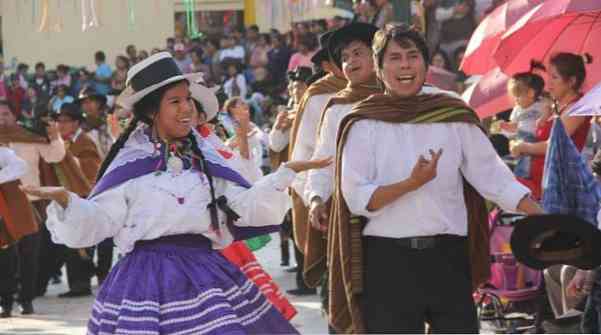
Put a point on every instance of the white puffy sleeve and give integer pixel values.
(85, 223)
(265, 203)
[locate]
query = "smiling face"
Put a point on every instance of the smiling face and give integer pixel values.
(357, 62)
(403, 69)
(175, 117)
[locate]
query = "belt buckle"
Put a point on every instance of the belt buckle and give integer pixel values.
(421, 243)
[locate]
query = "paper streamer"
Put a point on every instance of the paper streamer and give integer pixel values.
(89, 18)
(131, 15)
(191, 19)
(44, 23)
(58, 27)
(32, 11)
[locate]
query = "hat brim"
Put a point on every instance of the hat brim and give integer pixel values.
(354, 32)
(544, 240)
(206, 97)
(320, 56)
(128, 98)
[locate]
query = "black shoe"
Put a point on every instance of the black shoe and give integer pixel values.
(75, 294)
(285, 263)
(6, 313)
(292, 269)
(302, 291)
(27, 308)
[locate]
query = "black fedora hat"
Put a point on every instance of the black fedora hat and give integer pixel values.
(356, 31)
(88, 92)
(71, 110)
(322, 54)
(541, 241)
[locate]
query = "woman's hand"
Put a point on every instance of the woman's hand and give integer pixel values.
(300, 166)
(58, 194)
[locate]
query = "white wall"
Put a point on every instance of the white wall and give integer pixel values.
(154, 22)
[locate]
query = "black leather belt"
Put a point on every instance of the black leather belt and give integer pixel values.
(423, 242)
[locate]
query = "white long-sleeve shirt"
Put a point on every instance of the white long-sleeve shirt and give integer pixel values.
(11, 166)
(278, 139)
(147, 208)
(378, 154)
(321, 181)
(53, 152)
(306, 138)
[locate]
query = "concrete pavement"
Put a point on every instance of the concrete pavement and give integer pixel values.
(56, 316)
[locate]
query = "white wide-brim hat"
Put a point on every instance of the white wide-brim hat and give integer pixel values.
(206, 97)
(149, 75)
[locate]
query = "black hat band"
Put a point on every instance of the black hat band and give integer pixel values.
(155, 73)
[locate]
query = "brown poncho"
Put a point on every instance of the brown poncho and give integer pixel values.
(15, 208)
(315, 242)
(344, 237)
(77, 171)
(329, 84)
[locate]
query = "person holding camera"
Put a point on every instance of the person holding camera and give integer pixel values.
(32, 148)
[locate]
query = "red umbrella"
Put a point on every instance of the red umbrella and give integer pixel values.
(485, 39)
(553, 26)
(488, 96)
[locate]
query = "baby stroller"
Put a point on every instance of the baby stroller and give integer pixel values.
(508, 302)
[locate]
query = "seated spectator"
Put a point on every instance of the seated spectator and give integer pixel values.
(235, 84)
(229, 49)
(62, 76)
(41, 84)
(441, 60)
(103, 73)
(60, 98)
(456, 19)
(307, 47)
(258, 56)
(120, 74)
(181, 58)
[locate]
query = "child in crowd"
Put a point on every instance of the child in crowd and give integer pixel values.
(525, 89)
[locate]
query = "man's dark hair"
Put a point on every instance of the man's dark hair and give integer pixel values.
(40, 65)
(402, 34)
(254, 28)
(100, 56)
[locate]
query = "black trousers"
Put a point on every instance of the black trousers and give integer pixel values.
(9, 264)
(28, 260)
(105, 257)
(80, 269)
(52, 258)
(405, 288)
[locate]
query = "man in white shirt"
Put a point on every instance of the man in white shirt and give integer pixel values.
(417, 168)
(11, 169)
(31, 148)
(350, 49)
(303, 137)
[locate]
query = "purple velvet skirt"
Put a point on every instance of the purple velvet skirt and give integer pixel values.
(179, 285)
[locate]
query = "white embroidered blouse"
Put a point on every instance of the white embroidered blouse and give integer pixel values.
(163, 204)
